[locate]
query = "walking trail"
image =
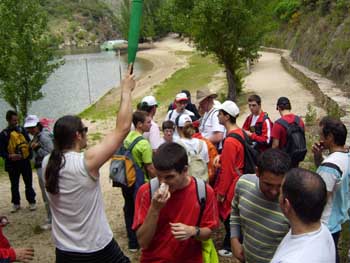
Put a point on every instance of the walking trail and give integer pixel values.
(268, 79)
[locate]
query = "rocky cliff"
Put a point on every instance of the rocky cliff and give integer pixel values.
(319, 41)
(82, 23)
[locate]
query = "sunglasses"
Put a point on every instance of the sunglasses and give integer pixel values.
(85, 130)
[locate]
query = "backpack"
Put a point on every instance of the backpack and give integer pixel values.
(123, 170)
(18, 143)
(212, 152)
(250, 153)
(197, 167)
(296, 143)
(208, 249)
(258, 126)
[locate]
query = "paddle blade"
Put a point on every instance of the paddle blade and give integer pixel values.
(134, 29)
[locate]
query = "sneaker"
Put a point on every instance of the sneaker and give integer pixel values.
(46, 226)
(32, 207)
(15, 208)
(225, 253)
(133, 250)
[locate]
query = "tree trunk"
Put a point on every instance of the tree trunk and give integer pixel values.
(233, 83)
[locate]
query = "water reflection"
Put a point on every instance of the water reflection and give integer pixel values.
(67, 90)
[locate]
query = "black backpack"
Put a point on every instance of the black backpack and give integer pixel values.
(296, 142)
(250, 153)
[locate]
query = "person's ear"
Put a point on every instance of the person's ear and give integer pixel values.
(286, 204)
(78, 135)
(185, 170)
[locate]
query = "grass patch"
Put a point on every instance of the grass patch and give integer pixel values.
(344, 240)
(197, 75)
(2, 167)
(103, 108)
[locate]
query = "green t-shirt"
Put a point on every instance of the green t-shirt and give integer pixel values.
(142, 151)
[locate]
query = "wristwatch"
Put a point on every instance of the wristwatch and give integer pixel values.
(198, 231)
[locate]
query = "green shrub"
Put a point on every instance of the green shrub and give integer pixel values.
(285, 9)
(82, 34)
(311, 115)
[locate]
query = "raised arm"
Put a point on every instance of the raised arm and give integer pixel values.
(97, 155)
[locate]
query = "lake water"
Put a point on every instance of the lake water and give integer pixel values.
(67, 90)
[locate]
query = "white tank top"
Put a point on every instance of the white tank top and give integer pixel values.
(79, 222)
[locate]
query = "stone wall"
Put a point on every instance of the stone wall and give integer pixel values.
(327, 94)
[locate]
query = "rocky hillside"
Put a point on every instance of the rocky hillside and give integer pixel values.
(82, 23)
(319, 37)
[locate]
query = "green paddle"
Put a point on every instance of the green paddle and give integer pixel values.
(134, 30)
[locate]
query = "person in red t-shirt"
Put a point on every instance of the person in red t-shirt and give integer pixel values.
(9, 254)
(166, 224)
(232, 162)
(258, 125)
(279, 133)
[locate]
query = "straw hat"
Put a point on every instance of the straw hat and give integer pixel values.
(204, 93)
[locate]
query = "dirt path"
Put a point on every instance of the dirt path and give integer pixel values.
(268, 79)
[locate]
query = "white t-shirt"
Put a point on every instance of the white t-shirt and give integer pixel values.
(210, 123)
(254, 119)
(314, 247)
(334, 171)
(79, 222)
(172, 115)
(195, 146)
(153, 136)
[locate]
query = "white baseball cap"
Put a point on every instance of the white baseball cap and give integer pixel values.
(150, 100)
(31, 121)
(182, 119)
(181, 96)
(230, 107)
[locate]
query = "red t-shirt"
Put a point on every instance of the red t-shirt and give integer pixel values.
(232, 159)
(182, 207)
(6, 252)
(280, 133)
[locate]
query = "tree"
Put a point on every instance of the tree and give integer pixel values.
(232, 31)
(154, 20)
(180, 15)
(27, 57)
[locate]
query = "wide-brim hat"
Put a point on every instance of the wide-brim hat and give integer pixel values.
(204, 93)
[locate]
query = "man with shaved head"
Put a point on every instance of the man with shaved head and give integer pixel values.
(302, 200)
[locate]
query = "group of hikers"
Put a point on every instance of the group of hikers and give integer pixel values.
(201, 170)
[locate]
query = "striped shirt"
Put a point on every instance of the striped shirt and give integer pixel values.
(261, 221)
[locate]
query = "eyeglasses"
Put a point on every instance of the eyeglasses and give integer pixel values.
(85, 129)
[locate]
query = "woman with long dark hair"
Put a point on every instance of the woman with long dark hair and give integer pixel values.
(80, 228)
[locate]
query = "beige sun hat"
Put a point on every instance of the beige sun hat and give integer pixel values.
(204, 93)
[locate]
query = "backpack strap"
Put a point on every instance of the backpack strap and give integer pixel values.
(209, 116)
(202, 197)
(171, 114)
(177, 119)
(297, 120)
(283, 122)
(132, 145)
(200, 189)
(333, 166)
(238, 137)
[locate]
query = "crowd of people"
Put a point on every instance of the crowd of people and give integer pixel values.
(276, 212)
